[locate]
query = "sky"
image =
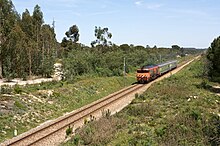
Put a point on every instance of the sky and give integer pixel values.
(187, 23)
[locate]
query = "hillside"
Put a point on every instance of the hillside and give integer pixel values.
(180, 110)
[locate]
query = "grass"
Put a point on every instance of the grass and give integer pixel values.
(29, 106)
(180, 110)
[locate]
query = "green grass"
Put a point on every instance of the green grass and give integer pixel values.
(180, 110)
(28, 111)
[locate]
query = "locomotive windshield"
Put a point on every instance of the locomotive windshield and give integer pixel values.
(142, 71)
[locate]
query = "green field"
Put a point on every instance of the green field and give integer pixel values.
(180, 110)
(27, 107)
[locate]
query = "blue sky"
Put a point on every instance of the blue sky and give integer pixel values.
(187, 23)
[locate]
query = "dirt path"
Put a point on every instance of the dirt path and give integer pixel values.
(20, 82)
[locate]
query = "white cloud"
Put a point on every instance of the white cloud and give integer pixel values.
(151, 6)
(138, 3)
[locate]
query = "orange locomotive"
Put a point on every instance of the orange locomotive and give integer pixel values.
(150, 72)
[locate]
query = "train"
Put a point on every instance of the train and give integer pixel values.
(148, 73)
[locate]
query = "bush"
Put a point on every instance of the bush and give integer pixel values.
(19, 105)
(69, 131)
(5, 89)
(212, 130)
(17, 89)
(76, 140)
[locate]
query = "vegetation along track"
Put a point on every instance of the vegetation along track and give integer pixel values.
(61, 124)
(52, 133)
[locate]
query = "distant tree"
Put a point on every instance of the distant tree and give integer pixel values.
(175, 47)
(155, 47)
(102, 36)
(70, 41)
(147, 47)
(125, 47)
(73, 33)
(180, 49)
(213, 54)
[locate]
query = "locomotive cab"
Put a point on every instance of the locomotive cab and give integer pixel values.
(147, 73)
(143, 75)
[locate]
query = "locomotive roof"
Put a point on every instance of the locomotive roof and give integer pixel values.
(148, 66)
(161, 64)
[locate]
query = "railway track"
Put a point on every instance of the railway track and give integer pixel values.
(52, 133)
(61, 124)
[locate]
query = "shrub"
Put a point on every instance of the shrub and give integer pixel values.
(106, 113)
(17, 89)
(136, 95)
(19, 105)
(160, 131)
(69, 131)
(5, 89)
(76, 139)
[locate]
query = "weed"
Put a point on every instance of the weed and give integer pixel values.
(136, 95)
(76, 140)
(19, 105)
(106, 113)
(69, 131)
(195, 114)
(160, 131)
(142, 97)
(5, 89)
(17, 89)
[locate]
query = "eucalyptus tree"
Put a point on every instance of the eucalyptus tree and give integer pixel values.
(16, 66)
(102, 36)
(28, 29)
(48, 41)
(213, 54)
(73, 33)
(37, 22)
(72, 37)
(8, 17)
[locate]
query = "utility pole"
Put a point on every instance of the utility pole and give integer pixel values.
(160, 59)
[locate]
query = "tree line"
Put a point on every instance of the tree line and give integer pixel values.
(213, 56)
(27, 45)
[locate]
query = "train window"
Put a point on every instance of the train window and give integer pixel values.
(142, 71)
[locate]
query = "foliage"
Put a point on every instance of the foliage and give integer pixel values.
(109, 61)
(26, 43)
(73, 33)
(213, 54)
(17, 89)
(175, 111)
(34, 105)
(70, 42)
(102, 36)
(5, 89)
(69, 131)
